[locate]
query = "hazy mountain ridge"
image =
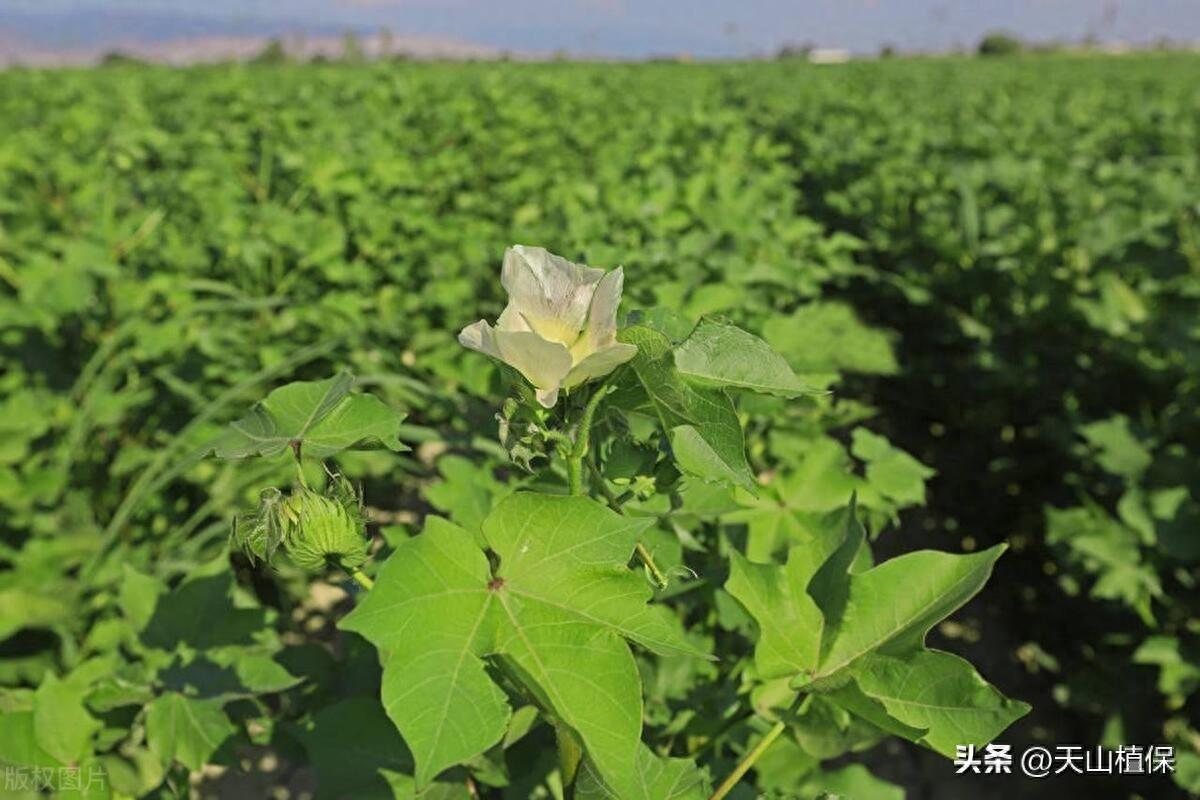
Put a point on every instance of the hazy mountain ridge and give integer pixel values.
(84, 38)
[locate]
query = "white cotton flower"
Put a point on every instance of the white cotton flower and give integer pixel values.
(559, 328)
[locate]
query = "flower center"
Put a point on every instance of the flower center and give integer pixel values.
(555, 331)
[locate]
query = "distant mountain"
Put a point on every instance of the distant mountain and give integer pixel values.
(85, 37)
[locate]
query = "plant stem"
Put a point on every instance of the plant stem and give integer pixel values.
(583, 438)
(748, 761)
(751, 758)
(574, 476)
(361, 578)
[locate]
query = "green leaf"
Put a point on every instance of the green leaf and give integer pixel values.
(858, 637)
(467, 492)
(138, 596)
(570, 556)
(201, 614)
(665, 320)
(660, 779)
(890, 608)
(1179, 672)
(829, 337)
(938, 693)
(1101, 545)
(789, 620)
(701, 423)
(720, 354)
(796, 506)
(782, 768)
(429, 616)
(357, 753)
(19, 744)
(23, 606)
(61, 723)
(553, 613)
(852, 782)
(1117, 450)
(891, 471)
(136, 772)
(189, 731)
(323, 417)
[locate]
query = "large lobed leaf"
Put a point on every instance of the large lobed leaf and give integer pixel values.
(321, 418)
(553, 614)
(860, 637)
(429, 616)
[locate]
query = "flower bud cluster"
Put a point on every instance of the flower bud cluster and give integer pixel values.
(313, 528)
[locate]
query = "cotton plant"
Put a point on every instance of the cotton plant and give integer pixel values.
(530, 614)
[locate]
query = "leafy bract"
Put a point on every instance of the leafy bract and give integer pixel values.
(860, 636)
(721, 354)
(318, 417)
(552, 614)
(700, 421)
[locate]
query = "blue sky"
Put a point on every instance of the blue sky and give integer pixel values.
(618, 27)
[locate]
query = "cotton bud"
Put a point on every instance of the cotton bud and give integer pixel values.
(315, 529)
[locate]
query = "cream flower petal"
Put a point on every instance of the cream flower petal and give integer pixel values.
(601, 327)
(559, 328)
(479, 336)
(547, 397)
(511, 319)
(599, 363)
(551, 294)
(543, 363)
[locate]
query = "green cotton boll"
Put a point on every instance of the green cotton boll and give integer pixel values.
(324, 530)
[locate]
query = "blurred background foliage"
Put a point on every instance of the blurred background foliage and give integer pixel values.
(994, 265)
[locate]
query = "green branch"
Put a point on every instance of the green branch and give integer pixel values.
(750, 759)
